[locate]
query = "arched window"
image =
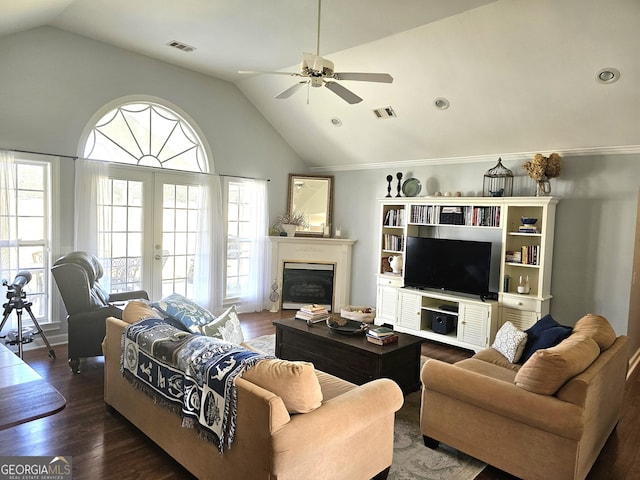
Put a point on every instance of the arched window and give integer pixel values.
(146, 134)
(148, 226)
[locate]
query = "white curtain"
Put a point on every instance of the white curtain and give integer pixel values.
(259, 273)
(8, 224)
(91, 186)
(208, 271)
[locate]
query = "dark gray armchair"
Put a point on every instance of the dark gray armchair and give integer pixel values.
(88, 305)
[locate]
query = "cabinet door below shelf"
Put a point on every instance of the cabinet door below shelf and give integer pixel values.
(473, 323)
(522, 319)
(409, 311)
(387, 304)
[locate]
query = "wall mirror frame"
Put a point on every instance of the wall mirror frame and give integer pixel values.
(311, 195)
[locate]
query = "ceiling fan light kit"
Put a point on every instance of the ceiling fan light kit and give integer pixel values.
(319, 72)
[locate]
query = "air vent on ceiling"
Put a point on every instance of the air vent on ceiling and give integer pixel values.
(384, 112)
(181, 46)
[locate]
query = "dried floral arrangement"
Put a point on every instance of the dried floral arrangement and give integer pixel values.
(544, 168)
(293, 218)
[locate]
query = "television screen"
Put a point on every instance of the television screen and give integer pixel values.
(445, 264)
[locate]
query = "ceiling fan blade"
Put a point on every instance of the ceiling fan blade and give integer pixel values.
(291, 90)
(364, 77)
(255, 72)
(344, 93)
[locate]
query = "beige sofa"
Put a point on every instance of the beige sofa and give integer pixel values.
(349, 436)
(546, 419)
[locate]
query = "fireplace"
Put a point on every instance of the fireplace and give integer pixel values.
(307, 283)
(332, 254)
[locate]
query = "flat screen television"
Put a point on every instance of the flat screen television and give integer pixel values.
(445, 264)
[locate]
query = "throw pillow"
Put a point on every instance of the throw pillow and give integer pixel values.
(226, 326)
(598, 328)
(137, 310)
(547, 370)
(184, 310)
(295, 382)
(545, 333)
(510, 342)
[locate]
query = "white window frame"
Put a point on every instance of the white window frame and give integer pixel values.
(228, 230)
(49, 244)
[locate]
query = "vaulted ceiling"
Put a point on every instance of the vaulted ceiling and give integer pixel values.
(519, 75)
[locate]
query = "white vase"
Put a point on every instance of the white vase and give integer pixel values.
(396, 263)
(290, 229)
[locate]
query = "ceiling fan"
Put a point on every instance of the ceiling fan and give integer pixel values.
(318, 72)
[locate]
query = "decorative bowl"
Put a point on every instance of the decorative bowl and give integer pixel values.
(345, 326)
(528, 220)
(359, 313)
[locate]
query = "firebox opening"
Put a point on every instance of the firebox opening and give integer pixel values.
(307, 283)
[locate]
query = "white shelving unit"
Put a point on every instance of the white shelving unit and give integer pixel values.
(412, 311)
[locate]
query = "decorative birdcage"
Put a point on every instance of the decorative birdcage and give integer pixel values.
(498, 181)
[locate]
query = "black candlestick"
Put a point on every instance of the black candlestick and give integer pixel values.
(389, 178)
(399, 175)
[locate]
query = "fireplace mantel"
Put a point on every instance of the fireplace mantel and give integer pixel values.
(316, 249)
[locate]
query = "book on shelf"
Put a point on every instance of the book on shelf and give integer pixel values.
(527, 229)
(380, 332)
(384, 340)
(513, 256)
(530, 254)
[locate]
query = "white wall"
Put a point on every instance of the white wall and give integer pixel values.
(594, 235)
(52, 83)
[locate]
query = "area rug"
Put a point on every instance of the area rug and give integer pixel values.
(411, 459)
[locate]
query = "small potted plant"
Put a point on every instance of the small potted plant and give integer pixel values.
(289, 222)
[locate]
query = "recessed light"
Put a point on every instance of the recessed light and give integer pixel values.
(441, 103)
(607, 75)
(336, 122)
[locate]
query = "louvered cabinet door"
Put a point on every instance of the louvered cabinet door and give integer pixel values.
(473, 324)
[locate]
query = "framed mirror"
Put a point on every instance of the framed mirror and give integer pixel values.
(311, 195)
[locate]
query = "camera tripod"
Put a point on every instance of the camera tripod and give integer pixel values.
(16, 302)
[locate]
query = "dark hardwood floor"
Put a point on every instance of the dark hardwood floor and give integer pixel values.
(105, 446)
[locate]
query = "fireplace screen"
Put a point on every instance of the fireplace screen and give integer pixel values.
(306, 283)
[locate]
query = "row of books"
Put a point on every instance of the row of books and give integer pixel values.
(312, 313)
(381, 336)
(451, 215)
(393, 242)
(527, 255)
(394, 218)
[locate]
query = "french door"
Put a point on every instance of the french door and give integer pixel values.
(149, 231)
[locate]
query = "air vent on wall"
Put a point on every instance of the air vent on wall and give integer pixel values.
(384, 112)
(181, 46)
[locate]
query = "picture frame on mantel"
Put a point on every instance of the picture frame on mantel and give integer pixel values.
(311, 195)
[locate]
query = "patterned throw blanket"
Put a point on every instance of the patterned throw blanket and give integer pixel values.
(191, 374)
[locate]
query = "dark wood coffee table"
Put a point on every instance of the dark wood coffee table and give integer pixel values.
(350, 357)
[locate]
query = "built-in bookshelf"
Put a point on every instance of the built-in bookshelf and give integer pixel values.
(526, 251)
